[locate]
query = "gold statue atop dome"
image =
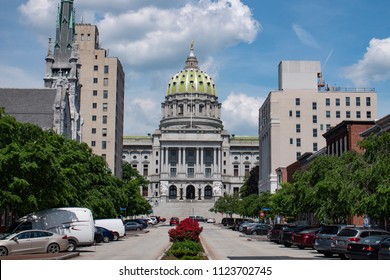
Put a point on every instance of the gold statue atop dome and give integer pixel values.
(192, 46)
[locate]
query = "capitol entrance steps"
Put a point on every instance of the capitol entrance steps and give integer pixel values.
(183, 209)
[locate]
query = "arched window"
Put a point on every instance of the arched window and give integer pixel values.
(208, 192)
(172, 192)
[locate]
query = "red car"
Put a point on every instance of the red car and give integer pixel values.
(304, 238)
(174, 221)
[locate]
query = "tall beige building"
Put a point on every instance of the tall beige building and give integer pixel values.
(102, 97)
(293, 119)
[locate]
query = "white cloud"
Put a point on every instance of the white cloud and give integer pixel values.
(305, 37)
(375, 65)
(240, 112)
(15, 77)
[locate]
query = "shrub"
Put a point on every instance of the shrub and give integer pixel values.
(185, 250)
(188, 229)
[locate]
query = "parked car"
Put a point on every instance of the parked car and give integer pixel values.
(227, 222)
(366, 248)
(114, 225)
(352, 235)
(133, 226)
(384, 250)
(197, 218)
(108, 235)
(324, 238)
(140, 221)
(211, 220)
(274, 233)
(174, 221)
(258, 229)
(33, 241)
(244, 225)
(285, 237)
(238, 222)
(98, 235)
(305, 238)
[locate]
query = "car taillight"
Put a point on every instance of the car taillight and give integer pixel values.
(368, 248)
(306, 236)
(354, 239)
(65, 237)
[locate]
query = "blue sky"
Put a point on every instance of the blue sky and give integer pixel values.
(238, 43)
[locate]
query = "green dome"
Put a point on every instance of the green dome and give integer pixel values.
(191, 79)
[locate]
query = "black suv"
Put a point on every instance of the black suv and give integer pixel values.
(274, 232)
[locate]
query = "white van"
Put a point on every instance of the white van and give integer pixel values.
(77, 223)
(115, 225)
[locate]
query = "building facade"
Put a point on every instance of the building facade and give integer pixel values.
(102, 97)
(293, 119)
(191, 156)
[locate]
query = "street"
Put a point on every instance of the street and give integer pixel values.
(220, 244)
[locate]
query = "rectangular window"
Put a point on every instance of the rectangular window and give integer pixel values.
(94, 118)
(88, 37)
(297, 101)
(338, 115)
(291, 141)
(145, 171)
(290, 113)
(173, 171)
(297, 128)
(82, 37)
(298, 114)
(105, 94)
(235, 170)
(93, 130)
(208, 172)
(315, 132)
(314, 118)
(315, 147)
(328, 114)
(95, 80)
(347, 101)
(368, 114)
(104, 132)
(105, 69)
(321, 127)
(247, 170)
(298, 141)
(314, 105)
(357, 101)
(327, 127)
(348, 114)
(93, 143)
(105, 106)
(104, 145)
(337, 101)
(104, 119)
(94, 93)
(368, 101)
(94, 105)
(190, 172)
(105, 82)
(95, 68)
(358, 114)
(298, 155)
(327, 101)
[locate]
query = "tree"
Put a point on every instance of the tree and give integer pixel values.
(227, 204)
(251, 184)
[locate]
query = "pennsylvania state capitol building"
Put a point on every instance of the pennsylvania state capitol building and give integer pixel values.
(191, 157)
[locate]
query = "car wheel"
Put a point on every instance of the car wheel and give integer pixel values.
(116, 237)
(71, 246)
(138, 229)
(328, 254)
(3, 251)
(53, 248)
(254, 232)
(301, 247)
(343, 256)
(106, 239)
(286, 244)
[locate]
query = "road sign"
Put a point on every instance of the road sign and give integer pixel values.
(261, 214)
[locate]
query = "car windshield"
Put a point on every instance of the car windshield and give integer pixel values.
(372, 239)
(348, 232)
(329, 230)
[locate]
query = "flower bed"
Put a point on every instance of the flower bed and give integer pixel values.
(186, 243)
